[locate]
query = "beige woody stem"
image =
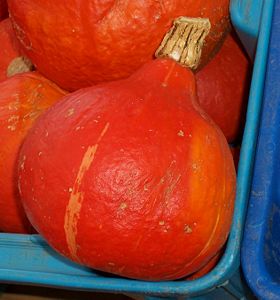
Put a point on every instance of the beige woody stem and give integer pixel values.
(18, 65)
(185, 40)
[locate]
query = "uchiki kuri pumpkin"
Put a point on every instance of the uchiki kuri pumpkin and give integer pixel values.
(223, 88)
(23, 98)
(131, 177)
(79, 43)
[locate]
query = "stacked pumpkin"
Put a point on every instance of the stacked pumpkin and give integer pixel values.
(108, 146)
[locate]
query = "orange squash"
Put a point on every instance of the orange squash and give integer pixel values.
(131, 177)
(223, 88)
(79, 43)
(11, 59)
(23, 98)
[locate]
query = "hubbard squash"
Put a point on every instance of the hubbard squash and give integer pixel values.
(79, 43)
(11, 59)
(23, 98)
(131, 177)
(223, 88)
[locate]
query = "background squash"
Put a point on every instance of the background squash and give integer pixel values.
(223, 88)
(11, 59)
(79, 43)
(23, 98)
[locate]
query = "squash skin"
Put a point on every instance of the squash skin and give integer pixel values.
(96, 41)
(135, 179)
(223, 88)
(23, 98)
(3, 9)
(9, 49)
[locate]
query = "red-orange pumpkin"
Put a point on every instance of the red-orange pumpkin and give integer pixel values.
(11, 59)
(3, 9)
(131, 177)
(79, 43)
(22, 99)
(223, 87)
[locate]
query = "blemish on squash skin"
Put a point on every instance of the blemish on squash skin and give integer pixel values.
(188, 229)
(181, 133)
(164, 227)
(13, 122)
(13, 106)
(70, 112)
(74, 206)
(123, 206)
(196, 167)
(208, 140)
(79, 128)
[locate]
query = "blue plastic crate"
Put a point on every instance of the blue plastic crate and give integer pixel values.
(246, 17)
(261, 244)
(27, 259)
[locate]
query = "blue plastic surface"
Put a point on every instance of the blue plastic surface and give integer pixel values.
(246, 16)
(261, 244)
(29, 260)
